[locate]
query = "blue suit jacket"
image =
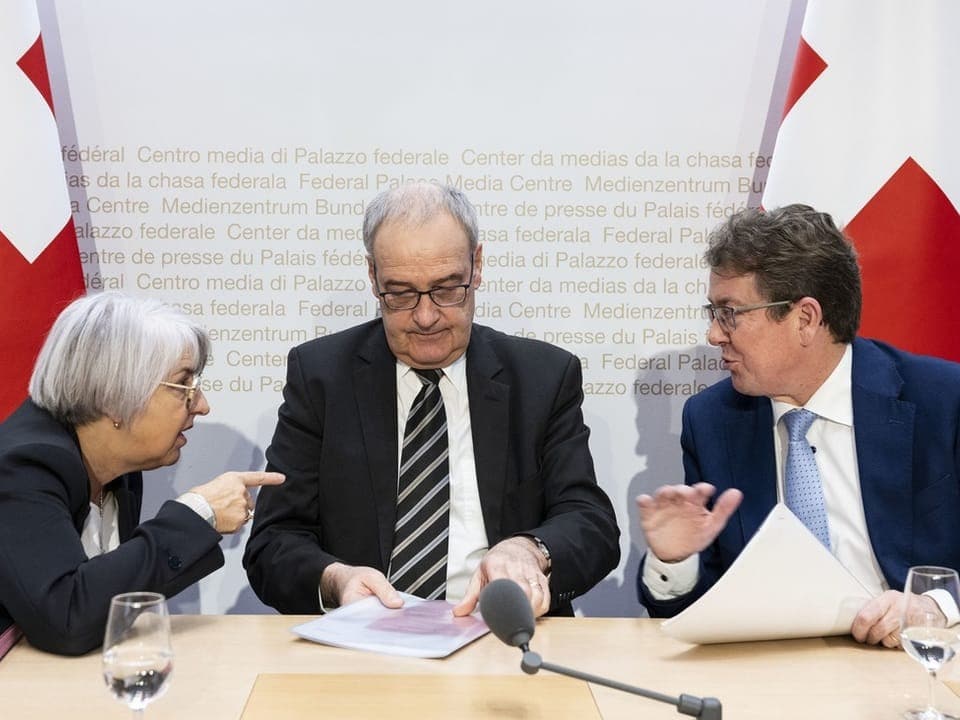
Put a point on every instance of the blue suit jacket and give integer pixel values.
(906, 410)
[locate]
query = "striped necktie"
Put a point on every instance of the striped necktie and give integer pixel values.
(803, 487)
(418, 564)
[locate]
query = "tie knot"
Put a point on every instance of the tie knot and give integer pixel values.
(429, 377)
(798, 422)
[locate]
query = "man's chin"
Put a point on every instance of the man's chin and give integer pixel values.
(426, 362)
(743, 387)
(431, 354)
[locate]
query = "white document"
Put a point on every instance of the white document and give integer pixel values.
(421, 628)
(784, 584)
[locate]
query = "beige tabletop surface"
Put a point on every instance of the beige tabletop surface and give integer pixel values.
(220, 658)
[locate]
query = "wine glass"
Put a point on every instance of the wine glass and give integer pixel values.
(923, 631)
(137, 657)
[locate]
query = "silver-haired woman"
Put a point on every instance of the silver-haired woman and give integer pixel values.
(114, 389)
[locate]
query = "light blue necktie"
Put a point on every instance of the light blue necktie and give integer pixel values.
(804, 490)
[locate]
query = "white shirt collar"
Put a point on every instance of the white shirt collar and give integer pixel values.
(833, 400)
(456, 373)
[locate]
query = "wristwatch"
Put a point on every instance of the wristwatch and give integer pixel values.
(544, 550)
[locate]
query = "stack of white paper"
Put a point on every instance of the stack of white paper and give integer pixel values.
(784, 584)
(421, 628)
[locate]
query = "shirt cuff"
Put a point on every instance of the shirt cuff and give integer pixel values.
(323, 606)
(198, 503)
(947, 605)
(668, 581)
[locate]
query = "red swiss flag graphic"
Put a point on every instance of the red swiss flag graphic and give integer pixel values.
(869, 136)
(40, 269)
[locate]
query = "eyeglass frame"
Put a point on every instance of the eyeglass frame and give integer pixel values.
(727, 314)
(190, 391)
(420, 293)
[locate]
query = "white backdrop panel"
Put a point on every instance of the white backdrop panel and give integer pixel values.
(219, 155)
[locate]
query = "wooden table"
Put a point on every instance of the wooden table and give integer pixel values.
(219, 658)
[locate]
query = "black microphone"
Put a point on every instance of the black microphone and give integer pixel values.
(507, 612)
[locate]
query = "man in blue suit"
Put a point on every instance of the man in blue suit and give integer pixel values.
(784, 309)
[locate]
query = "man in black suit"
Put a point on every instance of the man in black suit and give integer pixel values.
(523, 498)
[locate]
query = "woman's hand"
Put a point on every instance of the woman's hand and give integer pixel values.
(229, 497)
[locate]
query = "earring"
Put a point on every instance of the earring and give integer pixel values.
(116, 424)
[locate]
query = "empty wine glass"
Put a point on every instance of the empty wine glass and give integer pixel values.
(923, 627)
(137, 657)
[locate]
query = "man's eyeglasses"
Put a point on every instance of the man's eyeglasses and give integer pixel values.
(190, 391)
(726, 316)
(444, 296)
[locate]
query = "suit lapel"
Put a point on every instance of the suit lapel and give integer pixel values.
(490, 427)
(375, 383)
(128, 510)
(883, 428)
(748, 424)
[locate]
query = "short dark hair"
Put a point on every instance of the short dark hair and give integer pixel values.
(793, 252)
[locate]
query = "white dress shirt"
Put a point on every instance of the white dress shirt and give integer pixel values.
(468, 535)
(832, 435)
(101, 529)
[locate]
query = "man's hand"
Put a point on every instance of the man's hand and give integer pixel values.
(343, 584)
(229, 496)
(518, 559)
(878, 622)
(676, 522)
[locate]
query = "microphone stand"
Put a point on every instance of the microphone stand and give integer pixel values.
(707, 708)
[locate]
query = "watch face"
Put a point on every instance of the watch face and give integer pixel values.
(543, 549)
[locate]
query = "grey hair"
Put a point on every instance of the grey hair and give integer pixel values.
(106, 354)
(416, 203)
